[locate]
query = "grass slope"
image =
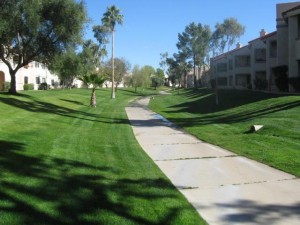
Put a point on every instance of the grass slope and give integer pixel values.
(227, 125)
(62, 162)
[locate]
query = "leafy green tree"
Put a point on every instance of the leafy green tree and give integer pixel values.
(136, 78)
(193, 43)
(91, 55)
(158, 78)
(67, 66)
(226, 34)
(173, 75)
(146, 72)
(163, 61)
(183, 67)
(122, 66)
(110, 19)
(95, 79)
(37, 30)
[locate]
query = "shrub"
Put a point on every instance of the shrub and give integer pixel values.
(6, 86)
(55, 84)
(28, 87)
(281, 78)
(43, 86)
(295, 83)
(260, 84)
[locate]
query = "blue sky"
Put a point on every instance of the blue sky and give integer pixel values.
(151, 27)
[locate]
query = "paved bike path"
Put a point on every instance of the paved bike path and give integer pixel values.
(223, 187)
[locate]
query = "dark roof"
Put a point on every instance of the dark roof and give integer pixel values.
(226, 53)
(265, 36)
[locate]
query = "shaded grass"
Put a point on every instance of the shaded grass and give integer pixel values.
(62, 162)
(227, 124)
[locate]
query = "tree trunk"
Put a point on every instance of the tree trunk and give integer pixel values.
(195, 79)
(185, 79)
(93, 98)
(113, 94)
(13, 86)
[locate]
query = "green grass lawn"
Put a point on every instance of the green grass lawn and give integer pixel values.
(63, 162)
(227, 125)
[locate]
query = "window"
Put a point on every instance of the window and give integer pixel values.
(222, 67)
(25, 80)
(273, 49)
(242, 61)
(37, 65)
(260, 55)
(37, 80)
(52, 82)
(43, 66)
(262, 75)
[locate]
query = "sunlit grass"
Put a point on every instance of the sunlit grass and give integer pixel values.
(228, 124)
(63, 162)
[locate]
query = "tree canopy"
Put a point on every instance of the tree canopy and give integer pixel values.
(37, 31)
(67, 66)
(196, 44)
(193, 44)
(122, 66)
(226, 34)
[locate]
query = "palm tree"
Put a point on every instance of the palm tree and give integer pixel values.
(110, 19)
(95, 80)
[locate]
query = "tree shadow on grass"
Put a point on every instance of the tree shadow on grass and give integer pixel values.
(203, 100)
(232, 117)
(71, 101)
(210, 113)
(34, 105)
(52, 190)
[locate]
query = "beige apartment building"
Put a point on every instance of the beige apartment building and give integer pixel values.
(35, 73)
(251, 66)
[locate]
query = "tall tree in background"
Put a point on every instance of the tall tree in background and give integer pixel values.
(194, 43)
(67, 66)
(91, 55)
(226, 34)
(122, 66)
(110, 19)
(184, 66)
(136, 78)
(158, 78)
(173, 74)
(37, 30)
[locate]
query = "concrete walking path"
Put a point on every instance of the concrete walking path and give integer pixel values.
(223, 187)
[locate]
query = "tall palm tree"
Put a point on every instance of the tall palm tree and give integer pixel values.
(110, 19)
